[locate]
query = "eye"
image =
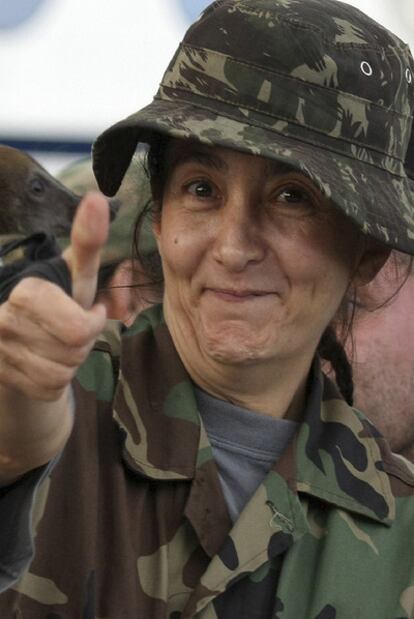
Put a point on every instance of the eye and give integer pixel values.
(295, 195)
(294, 200)
(37, 186)
(201, 189)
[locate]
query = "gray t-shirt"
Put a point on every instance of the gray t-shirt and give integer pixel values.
(245, 446)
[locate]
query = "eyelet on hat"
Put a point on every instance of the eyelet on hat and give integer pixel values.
(366, 68)
(408, 75)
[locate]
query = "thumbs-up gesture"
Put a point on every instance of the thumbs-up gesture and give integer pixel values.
(44, 336)
(88, 236)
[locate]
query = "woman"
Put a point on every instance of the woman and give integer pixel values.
(218, 474)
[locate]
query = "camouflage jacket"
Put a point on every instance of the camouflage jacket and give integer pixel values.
(132, 522)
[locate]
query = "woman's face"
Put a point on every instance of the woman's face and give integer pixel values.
(255, 259)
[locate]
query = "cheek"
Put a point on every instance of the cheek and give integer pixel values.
(338, 246)
(319, 261)
(181, 247)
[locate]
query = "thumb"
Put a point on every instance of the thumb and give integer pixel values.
(88, 236)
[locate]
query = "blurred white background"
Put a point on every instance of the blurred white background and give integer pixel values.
(70, 68)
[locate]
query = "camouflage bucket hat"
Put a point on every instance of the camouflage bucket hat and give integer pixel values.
(316, 84)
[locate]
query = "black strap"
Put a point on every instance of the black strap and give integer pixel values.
(41, 258)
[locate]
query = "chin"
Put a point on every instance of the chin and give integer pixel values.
(234, 356)
(233, 347)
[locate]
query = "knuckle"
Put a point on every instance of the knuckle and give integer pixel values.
(10, 377)
(10, 356)
(27, 290)
(41, 385)
(9, 321)
(20, 295)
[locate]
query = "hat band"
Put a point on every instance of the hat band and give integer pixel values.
(289, 105)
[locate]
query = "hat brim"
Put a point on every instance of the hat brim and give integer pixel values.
(379, 202)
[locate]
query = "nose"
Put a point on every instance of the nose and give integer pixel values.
(239, 240)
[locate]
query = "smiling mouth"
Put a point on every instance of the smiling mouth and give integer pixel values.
(239, 295)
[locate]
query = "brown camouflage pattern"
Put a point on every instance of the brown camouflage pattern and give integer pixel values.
(133, 523)
(323, 88)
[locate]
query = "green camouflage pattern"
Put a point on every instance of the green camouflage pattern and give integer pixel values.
(145, 530)
(316, 84)
(134, 195)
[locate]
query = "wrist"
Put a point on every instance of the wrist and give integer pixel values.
(32, 432)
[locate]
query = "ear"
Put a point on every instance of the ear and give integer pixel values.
(373, 258)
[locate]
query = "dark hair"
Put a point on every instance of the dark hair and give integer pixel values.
(105, 274)
(331, 347)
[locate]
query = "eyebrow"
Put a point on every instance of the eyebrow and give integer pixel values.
(273, 167)
(197, 155)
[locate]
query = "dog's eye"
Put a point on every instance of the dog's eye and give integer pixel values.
(37, 186)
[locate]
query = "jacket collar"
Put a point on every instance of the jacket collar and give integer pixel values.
(334, 457)
(337, 455)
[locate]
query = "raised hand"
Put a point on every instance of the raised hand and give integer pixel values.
(44, 336)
